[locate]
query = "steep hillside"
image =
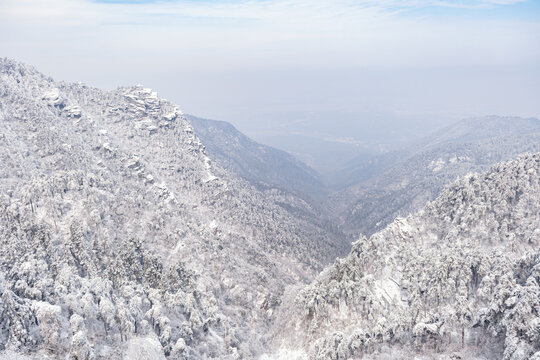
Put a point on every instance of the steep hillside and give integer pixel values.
(119, 237)
(458, 280)
(263, 166)
(398, 183)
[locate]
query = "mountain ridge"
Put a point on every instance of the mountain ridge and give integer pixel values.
(404, 181)
(119, 233)
(260, 164)
(458, 279)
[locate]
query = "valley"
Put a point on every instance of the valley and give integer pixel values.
(129, 230)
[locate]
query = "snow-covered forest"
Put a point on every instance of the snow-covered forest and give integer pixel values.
(123, 237)
(119, 236)
(460, 279)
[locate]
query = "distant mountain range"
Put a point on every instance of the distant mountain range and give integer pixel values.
(400, 182)
(464, 131)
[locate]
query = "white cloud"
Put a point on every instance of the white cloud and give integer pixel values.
(314, 33)
(266, 34)
(210, 55)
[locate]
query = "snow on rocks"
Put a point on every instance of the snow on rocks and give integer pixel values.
(133, 163)
(149, 179)
(146, 124)
(108, 147)
(52, 97)
(142, 101)
(73, 111)
(171, 116)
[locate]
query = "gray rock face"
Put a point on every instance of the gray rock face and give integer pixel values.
(119, 233)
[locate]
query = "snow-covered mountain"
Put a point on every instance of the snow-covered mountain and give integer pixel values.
(125, 235)
(460, 279)
(264, 166)
(121, 238)
(398, 183)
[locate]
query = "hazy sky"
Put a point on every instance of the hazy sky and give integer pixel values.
(341, 68)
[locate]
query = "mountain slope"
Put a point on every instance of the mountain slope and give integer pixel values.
(398, 183)
(462, 132)
(458, 279)
(262, 165)
(119, 237)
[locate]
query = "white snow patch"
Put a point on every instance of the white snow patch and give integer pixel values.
(285, 354)
(437, 165)
(144, 348)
